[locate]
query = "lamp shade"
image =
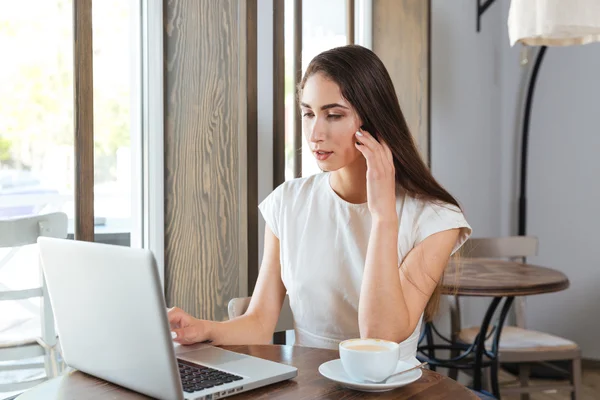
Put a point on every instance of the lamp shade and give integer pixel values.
(554, 22)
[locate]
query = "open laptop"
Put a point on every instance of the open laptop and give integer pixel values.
(112, 323)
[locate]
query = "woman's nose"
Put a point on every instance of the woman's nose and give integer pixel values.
(316, 133)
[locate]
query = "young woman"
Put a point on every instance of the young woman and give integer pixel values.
(360, 248)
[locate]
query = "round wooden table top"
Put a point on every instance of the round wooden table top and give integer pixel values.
(487, 277)
(309, 384)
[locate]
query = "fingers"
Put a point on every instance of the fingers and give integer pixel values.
(379, 157)
(378, 148)
(368, 145)
(183, 336)
(366, 139)
(374, 151)
(367, 152)
(184, 328)
(176, 316)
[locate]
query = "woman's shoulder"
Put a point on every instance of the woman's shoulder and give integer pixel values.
(416, 205)
(300, 186)
(425, 217)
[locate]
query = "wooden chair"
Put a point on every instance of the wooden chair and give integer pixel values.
(519, 345)
(239, 305)
(13, 234)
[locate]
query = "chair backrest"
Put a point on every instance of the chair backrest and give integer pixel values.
(21, 231)
(511, 247)
(515, 248)
(239, 305)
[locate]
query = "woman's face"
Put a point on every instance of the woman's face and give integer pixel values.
(329, 123)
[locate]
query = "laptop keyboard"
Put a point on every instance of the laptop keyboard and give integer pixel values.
(196, 377)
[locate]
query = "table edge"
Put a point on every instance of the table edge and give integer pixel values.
(508, 292)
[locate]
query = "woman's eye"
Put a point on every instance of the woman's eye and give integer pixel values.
(334, 116)
(307, 115)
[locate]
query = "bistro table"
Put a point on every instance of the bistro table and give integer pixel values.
(309, 384)
(501, 280)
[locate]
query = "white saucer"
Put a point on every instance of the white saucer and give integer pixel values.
(334, 371)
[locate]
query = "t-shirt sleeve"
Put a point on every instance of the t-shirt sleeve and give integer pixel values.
(434, 218)
(270, 209)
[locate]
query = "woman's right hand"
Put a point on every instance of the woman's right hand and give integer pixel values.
(189, 330)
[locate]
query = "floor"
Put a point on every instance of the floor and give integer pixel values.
(591, 386)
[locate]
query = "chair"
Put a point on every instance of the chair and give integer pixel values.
(519, 345)
(239, 305)
(17, 352)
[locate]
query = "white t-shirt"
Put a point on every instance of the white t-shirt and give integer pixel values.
(323, 245)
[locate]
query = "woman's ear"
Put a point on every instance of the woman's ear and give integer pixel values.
(364, 126)
(359, 121)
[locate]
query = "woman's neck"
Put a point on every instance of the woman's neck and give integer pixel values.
(350, 182)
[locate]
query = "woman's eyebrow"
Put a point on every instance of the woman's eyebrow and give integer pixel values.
(326, 106)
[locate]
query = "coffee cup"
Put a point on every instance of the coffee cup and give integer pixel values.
(369, 360)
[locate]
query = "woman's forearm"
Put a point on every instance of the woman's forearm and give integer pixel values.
(245, 329)
(382, 312)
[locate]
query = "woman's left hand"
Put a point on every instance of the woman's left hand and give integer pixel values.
(381, 177)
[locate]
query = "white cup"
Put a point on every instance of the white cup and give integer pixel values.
(367, 360)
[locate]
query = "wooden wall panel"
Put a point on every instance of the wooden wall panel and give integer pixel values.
(210, 153)
(83, 96)
(278, 92)
(297, 67)
(401, 38)
(249, 222)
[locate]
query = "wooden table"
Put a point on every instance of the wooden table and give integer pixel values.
(491, 278)
(501, 280)
(309, 384)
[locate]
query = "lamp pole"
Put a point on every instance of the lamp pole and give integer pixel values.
(522, 218)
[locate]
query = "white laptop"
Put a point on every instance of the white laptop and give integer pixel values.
(112, 323)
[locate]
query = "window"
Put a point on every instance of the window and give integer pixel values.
(37, 128)
(36, 111)
(116, 73)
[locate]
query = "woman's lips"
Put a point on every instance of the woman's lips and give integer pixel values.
(322, 155)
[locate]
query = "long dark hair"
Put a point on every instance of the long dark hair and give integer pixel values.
(365, 83)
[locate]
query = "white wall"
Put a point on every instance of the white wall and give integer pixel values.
(476, 102)
(465, 119)
(465, 99)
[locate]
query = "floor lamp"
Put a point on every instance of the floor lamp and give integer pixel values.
(546, 23)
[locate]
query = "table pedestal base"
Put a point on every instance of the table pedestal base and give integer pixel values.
(472, 356)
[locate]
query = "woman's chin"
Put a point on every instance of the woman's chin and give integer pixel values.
(327, 166)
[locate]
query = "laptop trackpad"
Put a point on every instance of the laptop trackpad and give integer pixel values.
(215, 357)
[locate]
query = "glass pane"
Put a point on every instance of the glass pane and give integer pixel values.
(321, 31)
(36, 144)
(115, 72)
(36, 107)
